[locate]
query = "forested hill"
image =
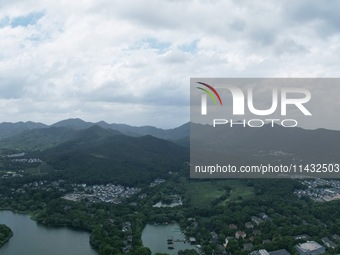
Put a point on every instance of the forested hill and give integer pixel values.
(97, 155)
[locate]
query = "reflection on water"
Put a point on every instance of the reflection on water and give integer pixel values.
(159, 238)
(32, 239)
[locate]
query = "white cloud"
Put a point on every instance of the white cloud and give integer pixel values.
(130, 62)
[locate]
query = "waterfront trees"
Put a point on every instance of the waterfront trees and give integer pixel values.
(5, 234)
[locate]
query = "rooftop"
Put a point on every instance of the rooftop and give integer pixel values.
(259, 252)
(279, 252)
(310, 246)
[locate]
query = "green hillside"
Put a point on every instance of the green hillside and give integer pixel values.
(37, 139)
(97, 155)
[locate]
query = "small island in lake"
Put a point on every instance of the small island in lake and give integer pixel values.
(5, 234)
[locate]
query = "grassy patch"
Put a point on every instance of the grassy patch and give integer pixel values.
(39, 170)
(202, 193)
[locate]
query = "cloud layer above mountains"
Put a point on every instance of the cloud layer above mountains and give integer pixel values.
(131, 61)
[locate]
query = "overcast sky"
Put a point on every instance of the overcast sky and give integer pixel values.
(131, 61)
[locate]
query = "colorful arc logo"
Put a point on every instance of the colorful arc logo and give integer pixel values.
(213, 94)
(209, 92)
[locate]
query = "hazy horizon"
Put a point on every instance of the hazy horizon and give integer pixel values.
(51, 124)
(94, 122)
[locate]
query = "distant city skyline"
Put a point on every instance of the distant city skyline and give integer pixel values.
(132, 62)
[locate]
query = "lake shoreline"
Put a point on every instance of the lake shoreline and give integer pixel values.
(31, 214)
(24, 230)
(33, 217)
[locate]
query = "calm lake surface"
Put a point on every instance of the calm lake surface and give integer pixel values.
(155, 238)
(32, 239)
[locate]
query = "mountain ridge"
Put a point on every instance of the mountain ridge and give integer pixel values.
(8, 129)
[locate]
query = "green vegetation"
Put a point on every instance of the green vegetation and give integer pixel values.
(202, 193)
(289, 215)
(99, 156)
(5, 234)
(41, 169)
(146, 157)
(37, 139)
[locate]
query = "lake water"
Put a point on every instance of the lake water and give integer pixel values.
(32, 239)
(155, 237)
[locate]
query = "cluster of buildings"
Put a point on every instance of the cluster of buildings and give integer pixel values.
(41, 185)
(176, 201)
(27, 160)
(157, 182)
(265, 252)
(329, 243)
(250, 226)
(126, 228)
(108, 193)
(11, 174)
(320, 189)
(98, 193)
(18, 157)
(305, 247)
